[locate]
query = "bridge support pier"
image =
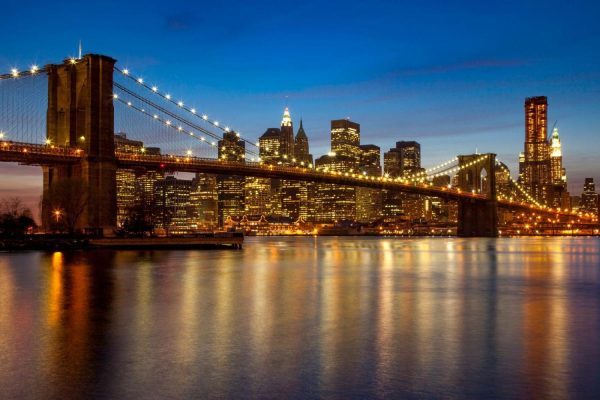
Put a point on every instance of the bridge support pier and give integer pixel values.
(477, 218)
(81, 115)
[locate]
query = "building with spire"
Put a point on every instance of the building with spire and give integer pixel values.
(286, 146)
(560, 197)
(305, 159)
(293, 194)
(301, 149)
(559, 176)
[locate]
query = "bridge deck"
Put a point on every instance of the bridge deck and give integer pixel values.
(36, 154)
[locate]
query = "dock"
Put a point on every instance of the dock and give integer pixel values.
(165, 243)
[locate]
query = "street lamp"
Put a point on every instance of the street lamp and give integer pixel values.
(57, 214)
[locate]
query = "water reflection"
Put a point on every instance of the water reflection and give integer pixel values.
(306, 318)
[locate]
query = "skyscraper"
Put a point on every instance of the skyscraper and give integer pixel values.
(301, 148)
(410, 157)
(345, 139)
(305, 159)
(230, 188)
(589, 197)
(536, 166)
(293, 194)
(334, 203)
(135, 187)
(173, 206)
(262, 194)
(204, 200)
(257, 196)
(286, 147)
(269, 145)
(369, 201)
(403, 160)
(559, 195)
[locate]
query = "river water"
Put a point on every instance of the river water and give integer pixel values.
(295, 318)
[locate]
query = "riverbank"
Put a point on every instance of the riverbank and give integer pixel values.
(60, 243)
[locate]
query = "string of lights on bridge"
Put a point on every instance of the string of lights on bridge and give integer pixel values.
(440, 170)
(179, 103)
(168, 123)
(427, 173)
(16, 73)
(517, 185)
(177, 117)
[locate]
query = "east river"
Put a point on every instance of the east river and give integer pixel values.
(296, 318)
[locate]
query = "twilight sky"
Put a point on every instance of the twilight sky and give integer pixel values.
(452, 75)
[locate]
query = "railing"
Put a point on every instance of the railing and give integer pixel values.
(259, 169)
(42, 154)
(29, 153)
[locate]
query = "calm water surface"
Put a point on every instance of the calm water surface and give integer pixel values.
(298, 318)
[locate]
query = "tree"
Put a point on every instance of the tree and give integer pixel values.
(139, 219)
(15, 218)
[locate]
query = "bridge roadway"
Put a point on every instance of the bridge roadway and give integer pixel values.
(36, 154)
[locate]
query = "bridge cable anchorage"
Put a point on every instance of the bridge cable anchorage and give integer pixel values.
(168, 123)
(193, 111)
(172, 115)
(518, 185)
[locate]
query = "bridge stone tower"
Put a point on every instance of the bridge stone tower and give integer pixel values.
(478, 217)
(81, 115)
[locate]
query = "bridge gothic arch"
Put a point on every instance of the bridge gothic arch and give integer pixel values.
(476, 216)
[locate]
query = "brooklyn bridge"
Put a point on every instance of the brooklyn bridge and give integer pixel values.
(82, 98)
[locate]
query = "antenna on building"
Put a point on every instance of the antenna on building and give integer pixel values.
(80, 50)
(549, 133)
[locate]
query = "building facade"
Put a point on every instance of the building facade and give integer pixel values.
(174, 211)
(135, 187)
(536, 166)
(205, 202)
(369, 201)
(403, 160)
(589, 198)
(345, 139)
(334, 203)
(230, 188)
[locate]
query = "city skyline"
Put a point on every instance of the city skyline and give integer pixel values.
(461, 93)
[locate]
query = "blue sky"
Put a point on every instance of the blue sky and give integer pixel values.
(451, 75)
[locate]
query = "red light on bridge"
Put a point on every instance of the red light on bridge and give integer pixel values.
(162, 165)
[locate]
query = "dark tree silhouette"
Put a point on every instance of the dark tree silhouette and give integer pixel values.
(15, 218)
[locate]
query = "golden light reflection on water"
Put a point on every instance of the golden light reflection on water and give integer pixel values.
(369, 316)
(55, 292)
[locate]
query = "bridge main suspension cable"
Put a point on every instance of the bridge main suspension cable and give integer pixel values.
(517, 184)
(170, 114)
(180, 104)
(16, 74)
